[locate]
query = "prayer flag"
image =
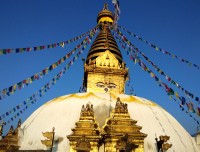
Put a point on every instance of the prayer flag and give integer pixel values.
(190, 107)
(198, 111)
(183, 100)
(171, 91)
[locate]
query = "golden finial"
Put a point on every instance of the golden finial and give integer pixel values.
(19, 123)
(105, 15)
(1, 128)
(105, 7)
(10, 132)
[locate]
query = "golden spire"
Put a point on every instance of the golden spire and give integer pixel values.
(104, 69)
(104, 39)
(105, 15)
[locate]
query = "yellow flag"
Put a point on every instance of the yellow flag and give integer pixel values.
(48, 135)
(47, 143)
(176, 94)
(152, 74)
(156, 48)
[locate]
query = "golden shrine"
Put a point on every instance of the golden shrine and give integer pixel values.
(121, 133)
(86, 135)
(10, 141)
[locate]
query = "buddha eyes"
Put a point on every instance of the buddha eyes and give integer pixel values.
(102, 85)
(111, 85)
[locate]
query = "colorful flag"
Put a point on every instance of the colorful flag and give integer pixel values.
(190, 107)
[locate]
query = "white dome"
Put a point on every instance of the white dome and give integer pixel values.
(64, 111)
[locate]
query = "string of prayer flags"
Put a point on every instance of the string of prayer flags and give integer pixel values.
(116, 12)
(183, 100)
(160, 49)
(33, 98)
(190, 107)
(20, 85)
(42, 47)
(39, 93)
(168, 90)
(168, 78)
(187, 112)
(198, 111)
(143, 66)
(132, 92)
(82, 87)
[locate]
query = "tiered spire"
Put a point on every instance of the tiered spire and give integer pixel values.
(104, 68)
(104, 39)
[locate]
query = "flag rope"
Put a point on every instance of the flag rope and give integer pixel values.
(131, 90)
(161, 84)
(159, 49)
(20, 85)
(42, 47)
(33, 98)
(168, 78)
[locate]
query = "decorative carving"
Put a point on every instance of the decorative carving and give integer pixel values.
(121, 107)
(95, 69)
(83, 144)
(125, 144)
(87, 111)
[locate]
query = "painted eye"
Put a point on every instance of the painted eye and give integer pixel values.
(111, 85)
(100, 84)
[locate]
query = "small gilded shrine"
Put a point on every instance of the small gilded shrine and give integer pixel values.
(86, 134)
(121, 133)
(10, 141)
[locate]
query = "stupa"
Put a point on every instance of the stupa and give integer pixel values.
(103, 118)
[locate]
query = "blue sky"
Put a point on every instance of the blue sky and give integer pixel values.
(173, 25)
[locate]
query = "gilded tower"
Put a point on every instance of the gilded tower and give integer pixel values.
(104, 69)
